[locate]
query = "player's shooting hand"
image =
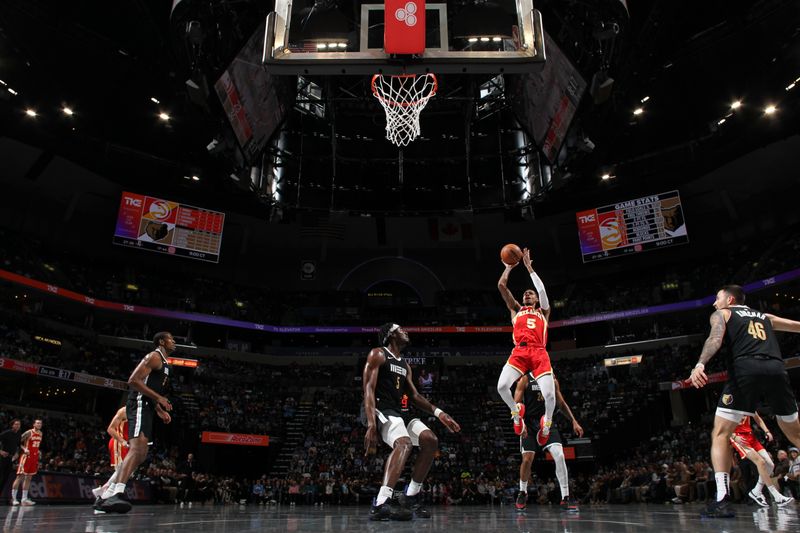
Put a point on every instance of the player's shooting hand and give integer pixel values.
(164, 403)
(449, 423)
(370, 440)
(526, 259)
(698, 376)
(577, 428)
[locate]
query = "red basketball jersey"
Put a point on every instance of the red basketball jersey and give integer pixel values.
(530, 327)
(744, 428)
(33, 442)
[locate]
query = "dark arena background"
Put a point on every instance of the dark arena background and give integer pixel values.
(220, 170)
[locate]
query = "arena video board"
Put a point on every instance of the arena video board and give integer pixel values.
(633, 226)
(168, 227)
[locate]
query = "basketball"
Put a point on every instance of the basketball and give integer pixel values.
(510, 254)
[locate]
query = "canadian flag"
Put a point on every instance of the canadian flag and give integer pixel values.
(449, 229)
(404, 27)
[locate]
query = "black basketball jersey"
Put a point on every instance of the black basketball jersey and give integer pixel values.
(391, 389)
(156, 380)
(749, 333)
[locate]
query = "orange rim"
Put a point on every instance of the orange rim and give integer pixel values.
(403, 104)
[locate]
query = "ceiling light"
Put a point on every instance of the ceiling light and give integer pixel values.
(497, 39)
(770, 109)
(154, 100)
(3, 83)
(342, 45)
(12, 91)
(196, 178)
(606, 176)
(638, 111)
(30, 112)
(721, 121)
(790, 86)
(646, 98)
(332, 45)
(67, 111)
(484, 39)
(473, 39)
(736, 104)
(164, 116)
(321, 46)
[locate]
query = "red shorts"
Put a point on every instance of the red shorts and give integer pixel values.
(531, 359)
(749, 440)
(28, 464)
(117, 452)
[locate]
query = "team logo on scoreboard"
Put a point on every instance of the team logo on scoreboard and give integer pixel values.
(160, 209)
(610, 233)
(727, 399)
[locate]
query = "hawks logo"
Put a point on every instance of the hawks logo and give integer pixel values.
(727, 399)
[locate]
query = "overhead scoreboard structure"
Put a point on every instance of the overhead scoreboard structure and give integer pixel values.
(169, 227)
(632, 226)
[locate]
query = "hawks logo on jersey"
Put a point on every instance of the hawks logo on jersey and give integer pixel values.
(530, 327)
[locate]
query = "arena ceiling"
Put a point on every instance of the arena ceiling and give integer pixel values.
(117, 67)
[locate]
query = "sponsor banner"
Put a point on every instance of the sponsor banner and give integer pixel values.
(59, 373)
(179, 361)
(619, 361)
(686, 305)
(58, 487)
(633, 226)
(240, 439)
(168, 227)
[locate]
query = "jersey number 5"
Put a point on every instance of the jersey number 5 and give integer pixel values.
(756, 329)
(398, 382)
(531, 323)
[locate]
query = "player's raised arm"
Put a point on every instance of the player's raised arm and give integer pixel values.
(502, 286)
(544, 302)
(150, 362)
(784, 324)
(422, 403)
(375, 359)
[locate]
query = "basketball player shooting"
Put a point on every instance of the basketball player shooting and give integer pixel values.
(529, 321)
(756, 369)
(389, 392)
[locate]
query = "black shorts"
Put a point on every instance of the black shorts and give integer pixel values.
(141, 415)
(529, 444)
(752, 381)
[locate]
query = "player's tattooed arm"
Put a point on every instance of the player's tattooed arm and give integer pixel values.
(712, 345)
(502, 286)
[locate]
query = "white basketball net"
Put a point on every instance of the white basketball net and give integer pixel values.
(403, 98)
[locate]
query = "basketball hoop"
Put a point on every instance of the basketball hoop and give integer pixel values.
(403, 98)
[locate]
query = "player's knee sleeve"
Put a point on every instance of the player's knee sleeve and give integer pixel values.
(557, 452)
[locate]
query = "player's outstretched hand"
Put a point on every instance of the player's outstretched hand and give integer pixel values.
(163, 415)
(526, 259)
(577, 428)
(370, 440)
(698, 377)
(449, 423)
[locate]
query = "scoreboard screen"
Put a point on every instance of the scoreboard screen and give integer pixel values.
(633, 226)
(169, 227)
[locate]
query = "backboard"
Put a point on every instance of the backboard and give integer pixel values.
(326, 37)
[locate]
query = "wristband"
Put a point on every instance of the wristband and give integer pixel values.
(437, 412)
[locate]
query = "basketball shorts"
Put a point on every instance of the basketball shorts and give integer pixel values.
(754, 380)
(117, 451)
(141, 414)
(748, 440)
(392, 425)
(28, 464)
(531, 359)
(529, 444)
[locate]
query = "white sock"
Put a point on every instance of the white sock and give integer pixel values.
(775, 494)
(759, 488)
(548, 389)
(722, 484)
(504, 383)
(523, 486)
(384, 494)
(24, 494)
(413, 488)
(119, 488)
